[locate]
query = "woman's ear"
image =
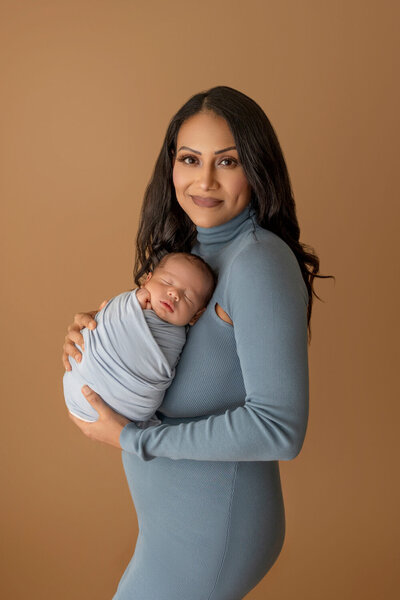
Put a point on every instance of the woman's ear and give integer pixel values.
(197, 316)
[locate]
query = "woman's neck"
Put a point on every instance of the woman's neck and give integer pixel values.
(214, 237)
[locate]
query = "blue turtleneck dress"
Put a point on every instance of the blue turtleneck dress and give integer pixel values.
(205, 482)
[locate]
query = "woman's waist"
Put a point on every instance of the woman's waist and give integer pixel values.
(198, 487)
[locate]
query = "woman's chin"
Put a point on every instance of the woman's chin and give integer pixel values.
(204, 216)
(210, 219)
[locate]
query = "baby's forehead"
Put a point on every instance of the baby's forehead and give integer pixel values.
(173, 263)
(176, 262)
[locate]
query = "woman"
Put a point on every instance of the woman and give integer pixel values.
(205, 482)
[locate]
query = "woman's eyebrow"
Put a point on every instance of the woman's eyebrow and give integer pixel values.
(217, 151)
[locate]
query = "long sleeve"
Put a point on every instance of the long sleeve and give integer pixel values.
(266, 299)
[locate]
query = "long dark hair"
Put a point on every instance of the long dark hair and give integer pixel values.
(165, 227)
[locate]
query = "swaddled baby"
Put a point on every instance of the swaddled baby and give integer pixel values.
(130, 357)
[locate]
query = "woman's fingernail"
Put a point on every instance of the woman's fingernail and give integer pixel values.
(78, 358)
(85, 389)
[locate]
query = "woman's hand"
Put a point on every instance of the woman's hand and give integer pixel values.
(108, 426)
(81, 320)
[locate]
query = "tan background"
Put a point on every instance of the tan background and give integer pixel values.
(88, 88)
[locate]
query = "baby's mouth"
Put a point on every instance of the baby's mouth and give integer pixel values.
(167, 305)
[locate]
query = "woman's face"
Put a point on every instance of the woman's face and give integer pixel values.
(209, 180)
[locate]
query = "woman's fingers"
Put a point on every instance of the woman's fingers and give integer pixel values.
(85, 320)
(95, 400)
(107, 428)
(102, 305)
(66, 363)
(69, 349)
(74, 336)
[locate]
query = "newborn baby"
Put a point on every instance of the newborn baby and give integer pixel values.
(130, 358)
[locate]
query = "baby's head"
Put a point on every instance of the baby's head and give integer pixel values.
(180, 287)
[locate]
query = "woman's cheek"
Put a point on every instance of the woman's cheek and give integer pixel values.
(179, 180)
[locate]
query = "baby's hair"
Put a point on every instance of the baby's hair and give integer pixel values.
(195, 259)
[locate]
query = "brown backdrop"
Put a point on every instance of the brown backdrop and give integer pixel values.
(88, 88)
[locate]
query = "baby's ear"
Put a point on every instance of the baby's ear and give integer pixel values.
(197, 316)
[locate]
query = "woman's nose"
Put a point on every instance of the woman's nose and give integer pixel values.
(207, 177)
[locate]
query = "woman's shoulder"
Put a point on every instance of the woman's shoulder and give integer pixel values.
(260, 247)
(263, 259)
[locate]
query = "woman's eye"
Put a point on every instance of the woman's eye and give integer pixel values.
(183, 159)
(165, 281)
(232, 160)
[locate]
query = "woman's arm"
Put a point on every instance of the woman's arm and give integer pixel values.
(267, 302)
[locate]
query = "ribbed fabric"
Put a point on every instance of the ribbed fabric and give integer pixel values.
(205, 482)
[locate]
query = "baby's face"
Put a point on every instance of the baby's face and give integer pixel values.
(178, 290)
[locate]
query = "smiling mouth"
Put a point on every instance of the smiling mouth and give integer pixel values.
(200, 201)
(167, 306)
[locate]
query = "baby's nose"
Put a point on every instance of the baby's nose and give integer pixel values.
(173, 293)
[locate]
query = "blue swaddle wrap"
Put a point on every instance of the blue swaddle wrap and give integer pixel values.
(129, 360)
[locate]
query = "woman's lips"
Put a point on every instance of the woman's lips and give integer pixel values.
(167, 306)
(205, 201)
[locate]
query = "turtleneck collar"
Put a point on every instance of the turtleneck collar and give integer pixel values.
(220, 235)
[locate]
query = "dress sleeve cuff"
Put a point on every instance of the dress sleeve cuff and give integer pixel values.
(126, 436)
